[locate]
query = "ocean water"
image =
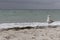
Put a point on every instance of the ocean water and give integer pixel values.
(28, 15)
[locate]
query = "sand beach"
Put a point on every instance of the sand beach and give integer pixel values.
(31, 34)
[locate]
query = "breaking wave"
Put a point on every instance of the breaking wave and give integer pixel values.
(33, 24)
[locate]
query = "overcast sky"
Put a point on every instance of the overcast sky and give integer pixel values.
(30, 4)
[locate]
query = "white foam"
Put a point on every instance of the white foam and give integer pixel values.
(33, 24)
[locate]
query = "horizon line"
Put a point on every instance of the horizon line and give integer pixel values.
(29, 9)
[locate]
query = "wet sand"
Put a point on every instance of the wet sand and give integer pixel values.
(31, 34)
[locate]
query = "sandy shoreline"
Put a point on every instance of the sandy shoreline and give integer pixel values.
(31, 34)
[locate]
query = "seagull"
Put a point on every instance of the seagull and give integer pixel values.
(49, 19)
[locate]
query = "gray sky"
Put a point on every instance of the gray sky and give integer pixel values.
(30, 4)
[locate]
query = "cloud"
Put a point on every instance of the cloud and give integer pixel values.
(30, 4)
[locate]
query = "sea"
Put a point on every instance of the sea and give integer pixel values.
(28, 15)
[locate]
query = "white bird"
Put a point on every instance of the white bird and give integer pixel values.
(49, 19)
